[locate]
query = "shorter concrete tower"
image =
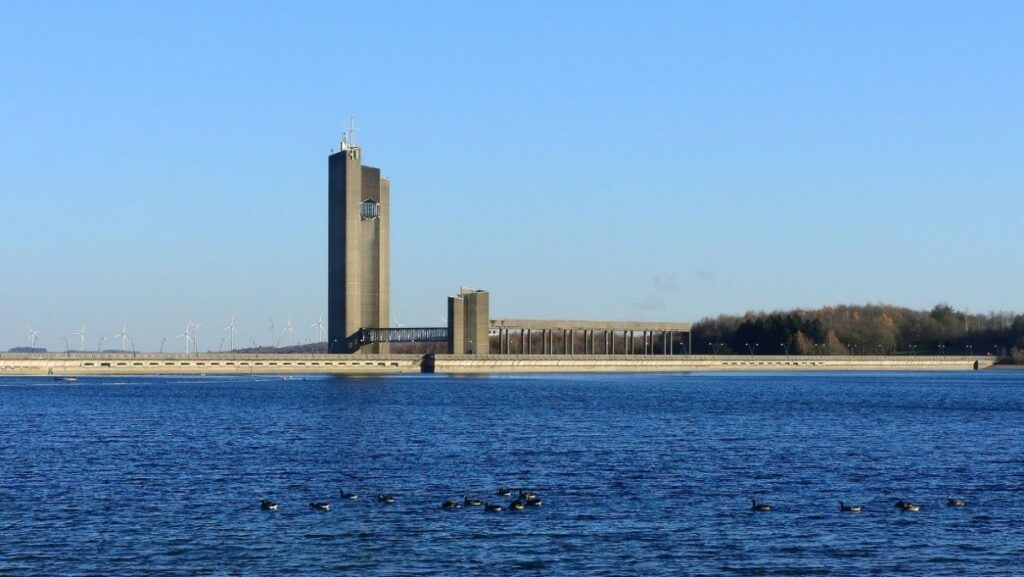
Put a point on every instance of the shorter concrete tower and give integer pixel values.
(358, 243)
(469, 323)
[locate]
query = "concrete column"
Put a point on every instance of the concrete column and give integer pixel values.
(669, 343)
(529, 342)
(629, 342)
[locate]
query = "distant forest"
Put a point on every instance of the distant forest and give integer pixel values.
(864, 330)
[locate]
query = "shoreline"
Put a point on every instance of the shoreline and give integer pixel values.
(85, 364)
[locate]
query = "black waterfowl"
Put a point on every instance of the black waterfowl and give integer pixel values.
(450, 505)
(954, 502)
(389, 499)
(471, 501)
(347, 495)
(268, 505)
(320, 506)
(762, 507)
(534, 501)
(907, 505)
(492, 508)
(504, 491)
(527, 495)
(516, 505)
(850, 508)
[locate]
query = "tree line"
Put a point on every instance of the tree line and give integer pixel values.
(864, 330)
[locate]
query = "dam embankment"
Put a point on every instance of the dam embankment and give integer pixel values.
(84, 364)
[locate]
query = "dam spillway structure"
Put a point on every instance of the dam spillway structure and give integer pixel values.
(358, 238)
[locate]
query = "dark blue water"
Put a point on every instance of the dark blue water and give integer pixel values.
(640, 475)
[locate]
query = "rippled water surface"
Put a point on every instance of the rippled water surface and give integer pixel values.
(640, 475)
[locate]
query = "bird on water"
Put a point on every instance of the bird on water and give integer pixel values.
(492, 508)
(450, 505)
(850, 508)
(320, 506)
(504, 491)
(516, 505)
(389, 499)
(907, 505)
(954, 502)
(762, 507)
(268, 505)
(346, 495)
(471, 501)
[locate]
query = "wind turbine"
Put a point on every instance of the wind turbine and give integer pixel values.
(123, 335)
(319, 324)
(163, 342)
(289, 329)
(33, 336)
(186, 336)
(397, 324)
(271, 331)
(99, 347)
(81, 336)
(195, 337)
(231, 334)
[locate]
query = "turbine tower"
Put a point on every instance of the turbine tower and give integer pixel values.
(81, 337)
(33, 336)
(319, 324)
(231, 334)
(123, 335)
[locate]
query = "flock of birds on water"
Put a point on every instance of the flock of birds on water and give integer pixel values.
(843, 507)
(525, 498)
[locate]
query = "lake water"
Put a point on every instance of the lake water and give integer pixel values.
(640, 475)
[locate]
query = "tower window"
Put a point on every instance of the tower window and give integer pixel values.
(369, 209)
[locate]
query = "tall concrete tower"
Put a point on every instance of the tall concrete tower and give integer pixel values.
(358, 238)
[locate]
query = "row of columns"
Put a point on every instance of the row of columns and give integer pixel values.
(507, 338)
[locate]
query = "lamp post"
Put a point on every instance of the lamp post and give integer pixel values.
(751, 349)
(785, 348)
(942, 350)
(913, 350)
(66, 351)
(970, 350)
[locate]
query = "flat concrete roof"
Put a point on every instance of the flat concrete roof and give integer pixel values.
(537, 325)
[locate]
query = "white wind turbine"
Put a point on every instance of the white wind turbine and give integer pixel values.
(33, 336)
(123, 335)
(231, 334)
(195, 337)
(394, 321)
(271, 331)
(289, 329)
(319, 324)
(81, 337)
(185, 335)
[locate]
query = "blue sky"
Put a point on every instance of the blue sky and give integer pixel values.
(162, 162)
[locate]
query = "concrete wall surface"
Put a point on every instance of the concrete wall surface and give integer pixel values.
(468, 364)
(79, 364)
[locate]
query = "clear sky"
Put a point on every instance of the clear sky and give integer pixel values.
(162, 162)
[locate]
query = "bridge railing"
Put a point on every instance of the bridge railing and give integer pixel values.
(370, 335)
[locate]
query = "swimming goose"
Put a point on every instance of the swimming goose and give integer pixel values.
(504, 492)
(320, 506)
(762, 507)
(527, 495)
(389, 499)
(347, 495)
(849, 508)
(471, 501)
(268, 505)
(492, 508)
(907, 506)
(516, 505)
(450, 505)
(954, 502)
(534, 501)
